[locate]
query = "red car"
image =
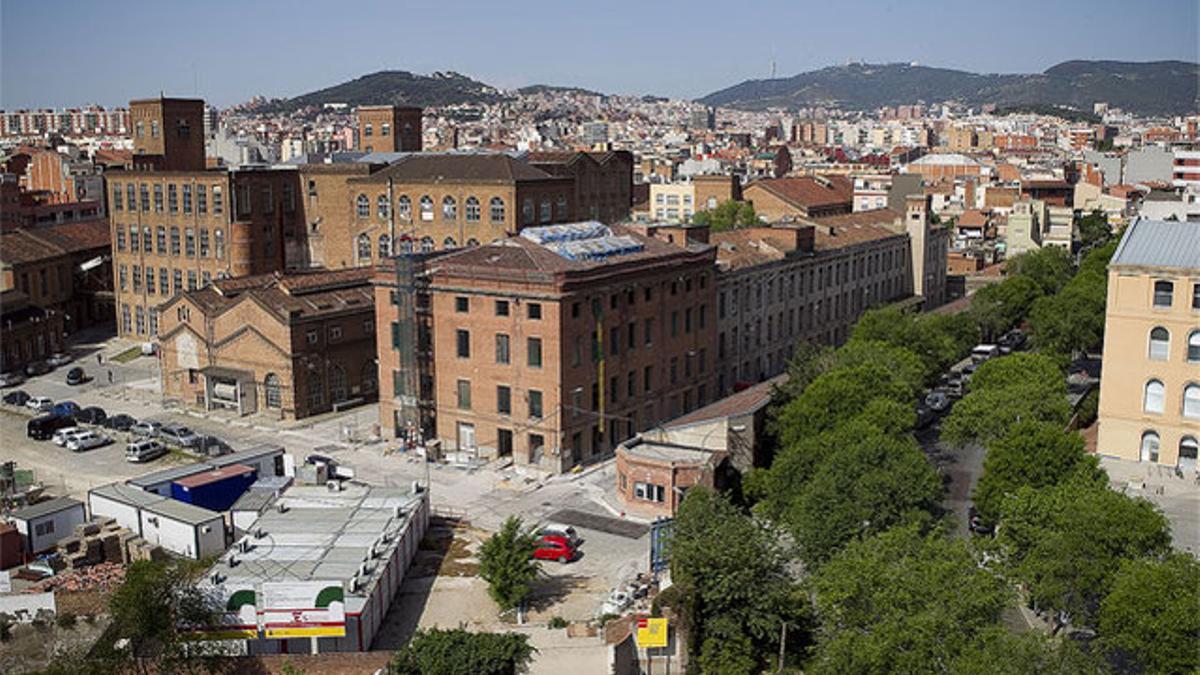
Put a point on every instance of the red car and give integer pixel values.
(551, 547)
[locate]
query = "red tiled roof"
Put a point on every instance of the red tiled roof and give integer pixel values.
(973, 218)
(808, 192)
(743, 402)
(77, 237)
(21, 246)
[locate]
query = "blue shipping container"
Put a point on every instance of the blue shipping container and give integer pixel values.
(215, 491)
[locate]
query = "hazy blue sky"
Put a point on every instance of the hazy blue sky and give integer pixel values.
(55, 53)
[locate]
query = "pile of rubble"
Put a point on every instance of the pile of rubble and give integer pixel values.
(102, 540)
(104, 576)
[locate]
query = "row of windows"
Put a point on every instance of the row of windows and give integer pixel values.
(1164, 294)
(533, 398)
(159, 283)
(674, 287)
(472, 209)
(193, 240)
(1189, 448)
(1160, 345)
(777, 287)
(137, 319)
(533, 310)
(362, 245)
(1154, 399)
(137, 197)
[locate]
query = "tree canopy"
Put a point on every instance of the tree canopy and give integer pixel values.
(1033, 454)
(1007, 390)
(999, 307)
(1050, 267)
(999, 651)
(1066, 542)
(1153, 614)
(727, 215)
(838, 396)
(902, 601)
(939, 341)
(1094, 229)
(439, 651)
(506, 562)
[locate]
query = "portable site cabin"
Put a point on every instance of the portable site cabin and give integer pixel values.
(41, 525)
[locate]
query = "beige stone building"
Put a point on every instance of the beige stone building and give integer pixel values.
(1150, 386)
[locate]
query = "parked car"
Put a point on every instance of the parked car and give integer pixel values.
(560, 530)
(616, 602)
(18, 397)
(87, 440)
(37, 368)
(551, 547)
(11, 379)
(43, 427)
(925, 416)
(144, 450)
(61, 435)
(65, 408)
(954, 388)
(146, 428)
(120, 422)
(92, 415)
(938, 401)
(982, 353)
(59, 359)
(40, 403)
(976, 524)
(178, 435)
(1014, 340)
(76, 376)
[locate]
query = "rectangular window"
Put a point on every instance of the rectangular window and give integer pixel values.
(311, 336)
(503, 400)
(158, 199)
(647, 379)
(502, 349)
(187, 198)
(335, 333)
(122, 277)
(462, 304)
(201, 200)
(218, 199)
(134, 239)
(120, 238)
(117, 198)
(164, 280)
(160, 237)
(395, 335)
(144, 196)
(501, 308)
(137, 278)
(173, 198)
(463, 391)
(189, 242)
(463, 343)
(204, 242)
(174, 241)
(535, 404)
(534, 310)
(191, 280)
(533, 349)
(268, 199)
(1163, 290)
(648, 327)
(614, 340)
(649, 492)
(1195, 296)
(577, 351)
(631, 384)
(536, 444)
(176, 281)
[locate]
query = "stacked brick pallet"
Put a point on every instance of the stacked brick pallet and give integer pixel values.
(103, 540)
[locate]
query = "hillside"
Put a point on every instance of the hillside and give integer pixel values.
(1152, 88)
(400, 87)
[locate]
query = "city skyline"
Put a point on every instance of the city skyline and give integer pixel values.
(287, 42)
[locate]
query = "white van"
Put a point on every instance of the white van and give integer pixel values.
(982, 353)
(144, 450)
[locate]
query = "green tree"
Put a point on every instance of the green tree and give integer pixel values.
(450, 652)
(999, 651)
(1065, 543)
(902, 602)
(506, 562)
(1004, 391)
(808, 361)
(1049, 266)
(1032, 454)
(728, 215)
(731, 573)
(938, 340)
(1094, 229)
(902, 363)
(1017, 369)
(998, 307)
(1153, 614)
(838, 396)
(1073, 320)
(873, 482)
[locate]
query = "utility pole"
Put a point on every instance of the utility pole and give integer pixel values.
(782, 644)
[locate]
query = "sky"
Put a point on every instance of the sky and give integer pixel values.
(59, 54)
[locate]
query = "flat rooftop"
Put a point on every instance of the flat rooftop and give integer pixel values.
(323, 535)
(666, 452)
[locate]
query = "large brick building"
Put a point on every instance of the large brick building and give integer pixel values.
(603, 181)
(290, 345)
(777, 199)
(177, 225)
(389, 128)
(553, 346)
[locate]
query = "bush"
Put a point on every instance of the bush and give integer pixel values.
(65, 620)
(557, 622)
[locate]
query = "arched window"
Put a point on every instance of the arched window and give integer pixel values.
(1163, 290)
(1150, 444)
(271, 391)
(1193, 353)
(383, 207)
(406, 245)
(1191, 401)
(426, 208)
(472, 242)
(1160, 343)
(562, 207)
(369, 377)
(449, 208)
(527, 211)
(497, 209)
(1189, 448)
(364, 247)
(426, 244)
(363, 208)
(404, 207)
(472, 210)
(337, 384)
(546, 214)
(448, 243)
(1155, 395)
(385, 246)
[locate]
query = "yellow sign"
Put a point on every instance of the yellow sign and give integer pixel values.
(306, 631)
(651, 633)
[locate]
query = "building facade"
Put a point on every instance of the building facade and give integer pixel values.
(603, 181)
(389, 128)
(290, 346)
(1150, 387)
(62, 269)
(549, 352)
(779, 199)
